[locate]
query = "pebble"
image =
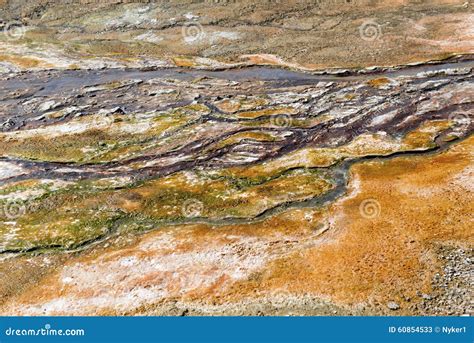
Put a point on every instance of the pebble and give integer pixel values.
(48, 105)
(393, 306)
(426, 297)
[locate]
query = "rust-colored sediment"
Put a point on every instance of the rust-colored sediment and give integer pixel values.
(350, 254)
(419, 202)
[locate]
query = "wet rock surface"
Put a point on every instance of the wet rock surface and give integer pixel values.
(310, 111)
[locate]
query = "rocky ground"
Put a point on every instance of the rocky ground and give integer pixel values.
(306, 34)
(189, 159)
